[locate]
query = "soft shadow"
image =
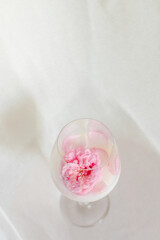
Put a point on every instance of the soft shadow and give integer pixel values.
(20, 124)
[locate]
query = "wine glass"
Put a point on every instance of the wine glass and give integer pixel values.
(85, 167)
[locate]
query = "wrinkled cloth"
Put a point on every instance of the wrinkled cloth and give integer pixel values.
(63, 60)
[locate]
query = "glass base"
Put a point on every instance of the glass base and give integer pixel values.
(85, 214)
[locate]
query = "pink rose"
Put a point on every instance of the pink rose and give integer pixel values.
(81, 170)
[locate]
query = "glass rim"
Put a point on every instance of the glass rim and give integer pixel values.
(106, 160)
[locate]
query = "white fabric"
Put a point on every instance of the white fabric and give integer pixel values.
(61, 60)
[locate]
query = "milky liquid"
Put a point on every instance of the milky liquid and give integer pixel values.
(109, 164)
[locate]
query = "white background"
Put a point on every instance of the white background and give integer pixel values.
(66, 59)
